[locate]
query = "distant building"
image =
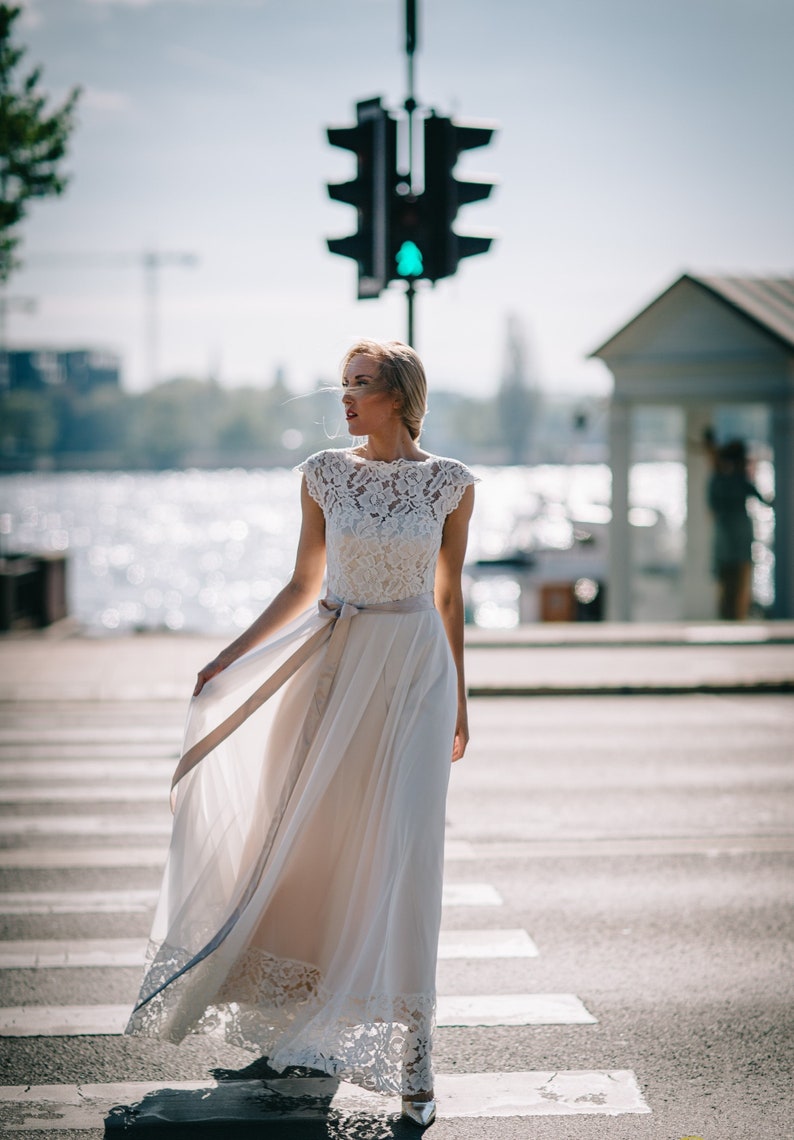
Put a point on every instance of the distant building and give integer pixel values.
(39, 369)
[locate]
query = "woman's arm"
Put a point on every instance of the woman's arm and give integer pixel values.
(300, 591)
(449, 603)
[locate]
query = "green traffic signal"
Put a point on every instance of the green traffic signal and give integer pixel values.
(409, 260)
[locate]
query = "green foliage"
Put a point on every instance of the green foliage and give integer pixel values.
(93, 421)
(28, 425)
(33, 142)
(171, 420)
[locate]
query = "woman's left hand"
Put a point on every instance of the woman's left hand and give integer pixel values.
(461, 736)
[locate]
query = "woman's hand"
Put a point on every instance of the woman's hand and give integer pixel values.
(461, 735)
(217, 665)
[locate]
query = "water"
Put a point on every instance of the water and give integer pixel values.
(204, 551)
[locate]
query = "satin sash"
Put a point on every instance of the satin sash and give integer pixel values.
(338, 616)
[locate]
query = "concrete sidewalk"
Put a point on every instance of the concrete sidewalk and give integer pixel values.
(605, 658)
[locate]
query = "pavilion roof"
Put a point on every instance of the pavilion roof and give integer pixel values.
(767, 301)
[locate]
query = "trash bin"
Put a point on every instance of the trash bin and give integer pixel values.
(52, 588)
(32, 590)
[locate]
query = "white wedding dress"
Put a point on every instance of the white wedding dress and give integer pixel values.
(301, 900)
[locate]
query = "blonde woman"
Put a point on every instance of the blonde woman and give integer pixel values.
(301, 903)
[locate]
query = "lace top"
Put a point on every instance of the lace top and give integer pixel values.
(383, 521)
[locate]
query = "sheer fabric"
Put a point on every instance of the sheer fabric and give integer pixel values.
(337, 840)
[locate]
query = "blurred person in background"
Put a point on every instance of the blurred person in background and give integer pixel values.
(729, 488)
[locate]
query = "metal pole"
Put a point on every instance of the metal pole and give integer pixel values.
(410, 293)
(151, 264)
(410, 99)
(410, 107)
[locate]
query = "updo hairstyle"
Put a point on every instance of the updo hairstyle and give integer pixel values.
(402, 372)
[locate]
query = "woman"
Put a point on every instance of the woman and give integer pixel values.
(301, 901)
(729, 489)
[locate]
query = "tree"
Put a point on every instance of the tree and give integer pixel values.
(33, 142)
(28, 424)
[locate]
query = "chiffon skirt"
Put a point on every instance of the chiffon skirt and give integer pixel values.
(301, 900)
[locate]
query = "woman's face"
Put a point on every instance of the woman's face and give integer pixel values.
(368, 403)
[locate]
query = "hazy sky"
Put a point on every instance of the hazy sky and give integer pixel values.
(638, 139)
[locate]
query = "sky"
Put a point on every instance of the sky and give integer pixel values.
(637, 140)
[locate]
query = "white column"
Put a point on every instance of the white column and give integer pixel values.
(783, 444)
(619, 584)
(699, 595)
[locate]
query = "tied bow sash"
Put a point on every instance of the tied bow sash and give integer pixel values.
(334, 632)
(338, 617)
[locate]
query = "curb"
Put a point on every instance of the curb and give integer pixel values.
(751, 688)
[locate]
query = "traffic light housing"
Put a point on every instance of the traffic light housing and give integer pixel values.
(373, 140)
(444, 194)
(403, 236)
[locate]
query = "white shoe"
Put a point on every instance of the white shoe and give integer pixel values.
(421, 1112)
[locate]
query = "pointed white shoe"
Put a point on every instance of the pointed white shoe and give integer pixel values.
(421, 1112)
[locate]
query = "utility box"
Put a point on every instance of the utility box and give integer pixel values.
(557, 601)
(572, 601)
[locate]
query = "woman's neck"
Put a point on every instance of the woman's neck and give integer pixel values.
(386, 447)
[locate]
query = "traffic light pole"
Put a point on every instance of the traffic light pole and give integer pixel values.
(410, 293)
(410, 107)
(405, 219)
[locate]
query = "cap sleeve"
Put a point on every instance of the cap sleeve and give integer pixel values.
(457, 477)
(311, 469)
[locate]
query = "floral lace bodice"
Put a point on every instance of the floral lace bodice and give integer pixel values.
(384, 521)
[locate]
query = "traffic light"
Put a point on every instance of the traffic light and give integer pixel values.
(402, 236)
(407, 236)
(374, 142)
(444, 195)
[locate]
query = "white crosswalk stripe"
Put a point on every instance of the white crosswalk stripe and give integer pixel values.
(126, 739)
(77, 902)
(86, 857)
(135, 901)
(116, 856)
(486, 944)
(477, 1009)
(43, 954)
(62, 954)
(471, 894)
(104, 791)
(460, 1095)
(84, 770)
(85, 825)
(513, 1009)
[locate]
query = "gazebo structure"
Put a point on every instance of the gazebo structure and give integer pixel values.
(704, 342)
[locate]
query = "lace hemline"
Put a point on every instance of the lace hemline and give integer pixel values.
(281, 1009)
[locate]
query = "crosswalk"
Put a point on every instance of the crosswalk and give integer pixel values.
(84, 793)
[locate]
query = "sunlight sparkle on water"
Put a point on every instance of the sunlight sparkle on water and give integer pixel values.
(203, 551)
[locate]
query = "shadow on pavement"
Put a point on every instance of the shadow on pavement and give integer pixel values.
(254, 1102)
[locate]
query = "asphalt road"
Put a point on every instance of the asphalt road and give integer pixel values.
(643, 845)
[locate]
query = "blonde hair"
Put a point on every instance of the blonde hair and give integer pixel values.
(402, 372)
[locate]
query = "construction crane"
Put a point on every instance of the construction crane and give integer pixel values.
(151, 261)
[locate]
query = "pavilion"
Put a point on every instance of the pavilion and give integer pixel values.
(704, 342)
